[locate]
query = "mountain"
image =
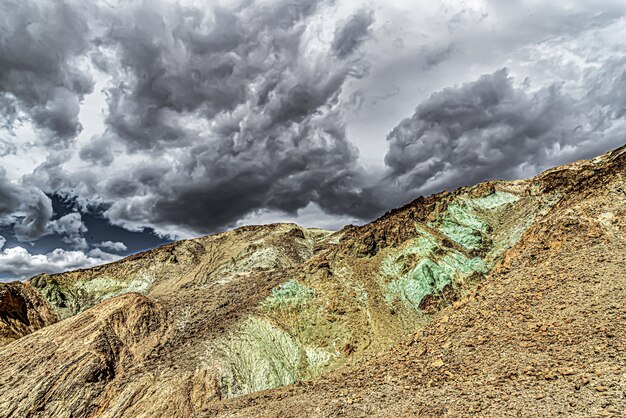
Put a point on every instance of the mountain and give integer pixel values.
(501, 299)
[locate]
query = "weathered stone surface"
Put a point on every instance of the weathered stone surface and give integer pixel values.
(67, 369)
(22, 311)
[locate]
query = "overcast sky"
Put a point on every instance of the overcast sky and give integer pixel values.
(127, 124)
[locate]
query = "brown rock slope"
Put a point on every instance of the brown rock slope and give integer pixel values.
(544, 335)
(133, 355)
(197, 327)
(22, 311)
(65, 369)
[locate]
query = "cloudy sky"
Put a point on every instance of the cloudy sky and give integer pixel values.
(126, 124)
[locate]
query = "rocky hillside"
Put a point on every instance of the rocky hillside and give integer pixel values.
(478, 301)
(543, 335)
(22, 311)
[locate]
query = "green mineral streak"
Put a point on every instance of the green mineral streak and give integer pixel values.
(290, 294)
(102, 288)
(74, 297)
(462, 223)
(462, 215)
(494, 200)
(454, 262)
(426, 278)
(464, 235)
(427, 271)
(255, 257)
(390, 268)
(438, 266)
(262, 356)
(422, 245)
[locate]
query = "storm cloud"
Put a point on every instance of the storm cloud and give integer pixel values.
(492, 129)
(41, 79)
(26, 208)
(189, 117)
(249, 112)
(353, 33)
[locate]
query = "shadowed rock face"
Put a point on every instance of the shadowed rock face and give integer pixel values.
(66, 368)
(266, 306)
(22, 311)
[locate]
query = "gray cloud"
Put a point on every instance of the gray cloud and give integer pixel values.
(98, 151)
(72, 228)
(39, 71)
(26, 208)
(489, 128)
(252, 117)
(218, 113)
(28, 212)
(353, 33)
(180, 61)
(113, 246)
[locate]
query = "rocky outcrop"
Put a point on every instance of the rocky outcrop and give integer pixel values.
(67, 368)
(22, 311)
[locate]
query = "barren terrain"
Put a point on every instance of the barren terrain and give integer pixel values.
(502, 299)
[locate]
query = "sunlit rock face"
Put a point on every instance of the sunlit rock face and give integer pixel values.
(512, 299)
(373, 285)
(73, 292)
(329, 298)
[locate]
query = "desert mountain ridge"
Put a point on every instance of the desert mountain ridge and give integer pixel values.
(500, 299)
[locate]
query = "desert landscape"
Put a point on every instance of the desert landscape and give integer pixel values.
(501, 299)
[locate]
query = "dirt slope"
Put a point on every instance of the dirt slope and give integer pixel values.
(205, 326)
(544, 335)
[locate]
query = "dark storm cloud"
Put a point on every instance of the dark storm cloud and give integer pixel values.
(236, 96)
(308, 162)
(608, 89)
(220, 112)
(39, 73)
(28, 212)
(491, 129)
(353, 33)
(203, 62)
(98, 150)
(27, 209)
